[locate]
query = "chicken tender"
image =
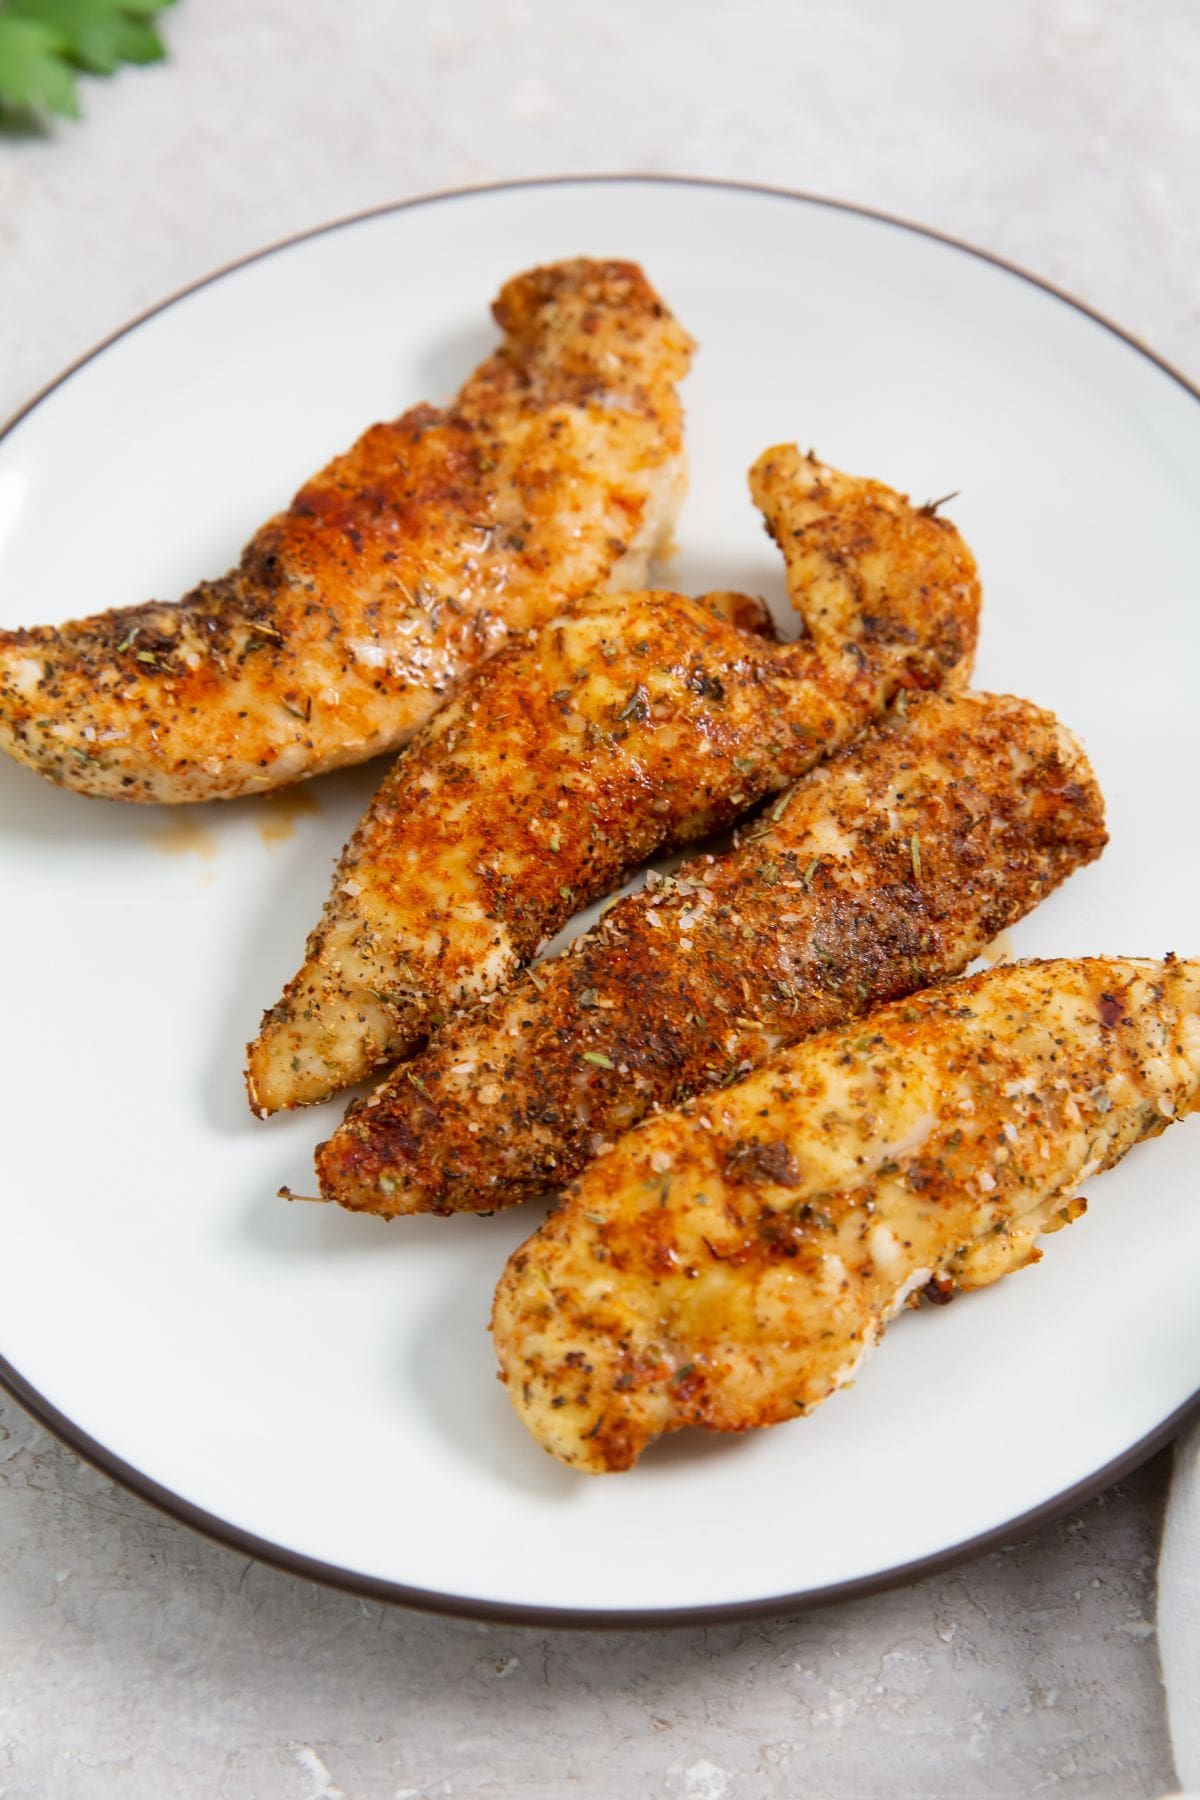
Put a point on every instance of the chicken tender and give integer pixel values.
(729, 1265)
(889, 867)
(402, 565)
(629, 725)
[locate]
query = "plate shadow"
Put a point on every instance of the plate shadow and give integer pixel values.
(463, 1399)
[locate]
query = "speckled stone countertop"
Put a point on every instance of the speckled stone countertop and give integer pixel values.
(137, 1659)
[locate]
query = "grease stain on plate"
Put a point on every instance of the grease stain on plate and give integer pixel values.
(1000, 950)
(183, 835)
(278, 813)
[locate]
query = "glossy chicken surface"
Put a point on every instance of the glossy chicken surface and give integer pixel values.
(402, 565)
(628, 725)
(730, 1264)
(889, 867)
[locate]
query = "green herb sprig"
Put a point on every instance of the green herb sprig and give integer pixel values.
(45, 44)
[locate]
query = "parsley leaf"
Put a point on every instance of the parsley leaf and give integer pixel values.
(44, 42)
(34, 75)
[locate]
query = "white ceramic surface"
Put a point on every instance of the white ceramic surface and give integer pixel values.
(324, 1382)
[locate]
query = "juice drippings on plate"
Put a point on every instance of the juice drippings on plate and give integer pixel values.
(278, 813)
(184, 835)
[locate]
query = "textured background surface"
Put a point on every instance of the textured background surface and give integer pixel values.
(134, 1658)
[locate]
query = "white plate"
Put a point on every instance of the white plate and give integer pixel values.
(319, 1388)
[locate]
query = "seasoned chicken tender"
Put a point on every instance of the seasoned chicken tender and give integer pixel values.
(889, 867)
(730, 1265)
(866, 568)
(561, 765)
(402, 565)
(629, 725)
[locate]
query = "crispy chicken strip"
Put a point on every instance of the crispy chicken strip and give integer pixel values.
(558, 469)
(729, 1265)
(628, 725)
(889, 867)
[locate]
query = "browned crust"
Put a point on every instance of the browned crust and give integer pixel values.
(633, 723)
(957, 818)
(728, 1265)
(426, 539)
(874, 571)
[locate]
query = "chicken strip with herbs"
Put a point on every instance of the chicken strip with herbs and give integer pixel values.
(629, 725)
(557, 470)
(731, 1264)
(889, 867)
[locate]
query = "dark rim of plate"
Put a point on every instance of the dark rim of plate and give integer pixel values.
(574, 1618)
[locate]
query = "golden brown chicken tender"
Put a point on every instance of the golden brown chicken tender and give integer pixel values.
(889, 867)
(402, 565)
(729, 1265)
(629, 724)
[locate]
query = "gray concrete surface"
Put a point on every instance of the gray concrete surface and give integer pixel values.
(138, 1659)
